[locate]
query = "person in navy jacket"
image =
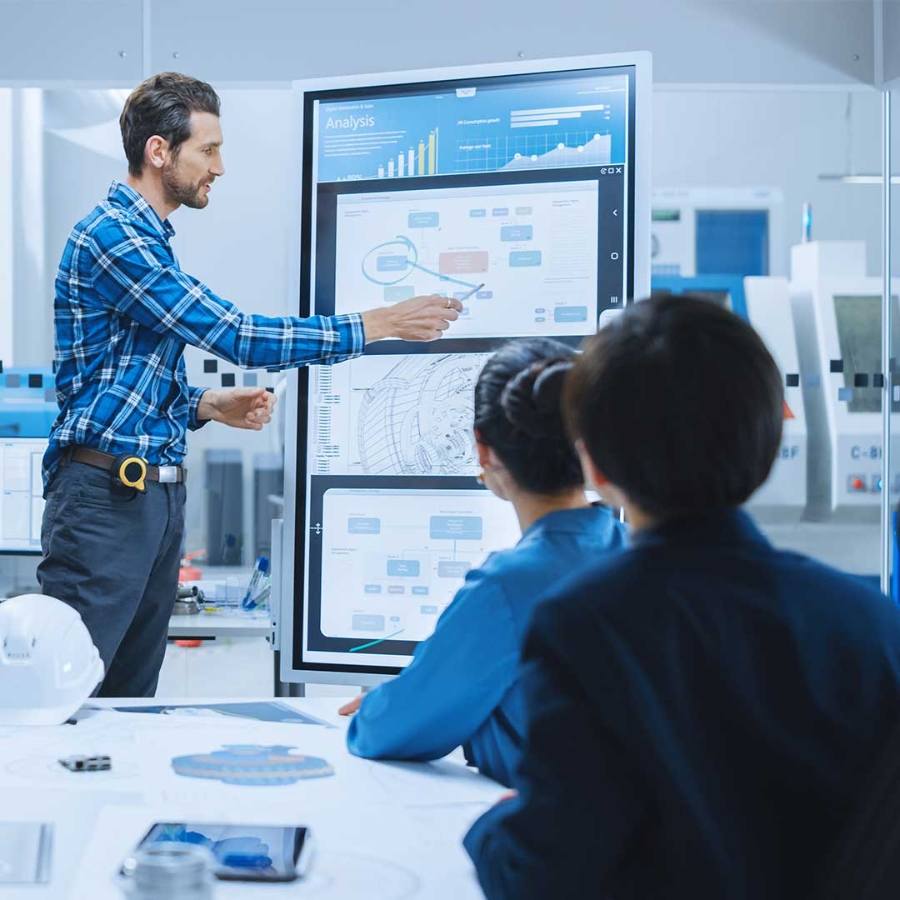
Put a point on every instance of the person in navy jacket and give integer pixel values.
(460, 687)
(702, 709)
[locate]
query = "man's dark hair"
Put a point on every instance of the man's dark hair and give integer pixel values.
(679, 404)
(518, 414)
(162, 106)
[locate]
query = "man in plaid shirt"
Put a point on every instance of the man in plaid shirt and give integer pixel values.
(124, 311)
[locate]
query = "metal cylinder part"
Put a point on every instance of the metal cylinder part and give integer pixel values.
(165, 870)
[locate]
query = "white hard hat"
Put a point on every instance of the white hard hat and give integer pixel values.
(48, 663)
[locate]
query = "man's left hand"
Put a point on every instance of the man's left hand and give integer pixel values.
(238, 407)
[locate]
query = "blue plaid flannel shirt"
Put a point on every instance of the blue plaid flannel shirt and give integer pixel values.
(124, 312)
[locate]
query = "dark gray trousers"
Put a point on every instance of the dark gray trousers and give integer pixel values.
(114, 557)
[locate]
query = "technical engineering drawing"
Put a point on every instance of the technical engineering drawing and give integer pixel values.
(418, 419)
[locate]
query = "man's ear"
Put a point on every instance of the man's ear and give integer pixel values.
(156, 151)
(592, 475)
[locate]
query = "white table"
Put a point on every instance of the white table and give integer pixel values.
(219, 624)
(383, 831)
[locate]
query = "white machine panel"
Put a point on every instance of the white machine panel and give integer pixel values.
(839, 330)
(783, 496)
(676, 234)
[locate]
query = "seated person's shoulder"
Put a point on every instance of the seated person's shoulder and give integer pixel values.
(830, 587)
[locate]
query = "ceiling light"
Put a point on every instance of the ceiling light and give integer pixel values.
(860, 178)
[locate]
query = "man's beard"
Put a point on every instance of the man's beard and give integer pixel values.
(181, 192)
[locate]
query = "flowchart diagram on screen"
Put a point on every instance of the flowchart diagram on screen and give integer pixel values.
(528, 251)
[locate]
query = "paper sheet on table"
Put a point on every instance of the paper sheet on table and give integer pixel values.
(434, 784)
(261, 711)
(31, 757)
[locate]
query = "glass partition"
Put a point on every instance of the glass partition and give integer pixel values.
(756, 204)
(751, 204)
(57, 160)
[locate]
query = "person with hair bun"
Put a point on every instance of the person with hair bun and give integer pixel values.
(461, 687)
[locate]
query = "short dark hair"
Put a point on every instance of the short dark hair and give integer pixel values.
(679, 404)
(518, 414)
(162, 106)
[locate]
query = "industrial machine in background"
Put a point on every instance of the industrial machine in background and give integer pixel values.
(28, 409)
(708, 231)
(837, 311)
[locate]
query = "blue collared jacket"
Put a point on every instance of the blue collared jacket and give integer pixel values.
(702, 713)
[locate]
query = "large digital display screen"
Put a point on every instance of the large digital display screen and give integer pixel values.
(513, 191)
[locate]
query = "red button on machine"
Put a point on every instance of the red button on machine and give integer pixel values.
(857, 484)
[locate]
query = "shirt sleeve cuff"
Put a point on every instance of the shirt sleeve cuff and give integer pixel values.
(351, 336)
(194, 395)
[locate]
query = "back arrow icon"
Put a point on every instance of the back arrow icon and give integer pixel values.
(615, 212)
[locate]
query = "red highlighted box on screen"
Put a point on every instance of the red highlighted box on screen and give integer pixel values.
(461, 262)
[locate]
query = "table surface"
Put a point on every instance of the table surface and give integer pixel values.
(224, 622)
(383, 831)
(220, 624)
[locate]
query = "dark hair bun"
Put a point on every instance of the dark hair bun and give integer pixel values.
(532, 399)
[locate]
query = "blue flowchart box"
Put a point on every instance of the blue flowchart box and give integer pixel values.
(500, 211)
(570, 314)
(521, 258)
(516, 233)
(453, 568)
(372, 588)
(423, 220)
(396, 589)
(485, 295)
(404, 568)
(420, 590)
(368, 623)
(394, 293)
(364, 525)
(457, 528)
(428, 610)
(391, 263)
(477, 213)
